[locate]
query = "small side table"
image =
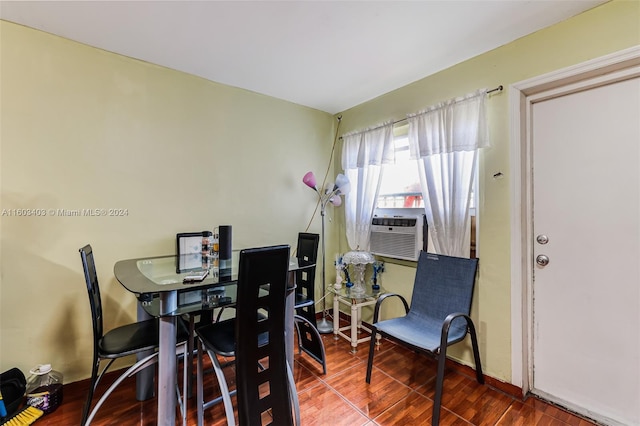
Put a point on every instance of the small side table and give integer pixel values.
(356, 301)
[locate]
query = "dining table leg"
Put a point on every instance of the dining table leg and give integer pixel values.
(144, 378)
(167, 361)
(167, 372)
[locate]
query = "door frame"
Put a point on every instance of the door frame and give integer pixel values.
(522, 95)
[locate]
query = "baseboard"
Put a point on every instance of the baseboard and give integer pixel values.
(80, 388)
(508, 388)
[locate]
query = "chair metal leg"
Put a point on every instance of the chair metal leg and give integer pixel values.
(187, 380)
(199, 385)
(134, 369)
(294, 395)
(372, 346)
(190, 350)
(94, 384)
(442, 357)
(225, 397)
(322, 359)
(224, 390)
(92, 387)
(298, 333)
(476, 352)
(181, 397)
(102, 373)
(143, 363)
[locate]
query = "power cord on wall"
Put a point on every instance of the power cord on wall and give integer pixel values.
(326, 174)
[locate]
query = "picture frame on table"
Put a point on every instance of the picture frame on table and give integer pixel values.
(189, 252)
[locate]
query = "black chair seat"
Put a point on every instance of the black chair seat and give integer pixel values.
(129, 339)
(303, 301)
(136, 337)
(220, 336)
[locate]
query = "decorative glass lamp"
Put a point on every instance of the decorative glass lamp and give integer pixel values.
(359, 259)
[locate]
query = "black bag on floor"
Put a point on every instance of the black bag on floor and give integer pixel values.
(12, 385)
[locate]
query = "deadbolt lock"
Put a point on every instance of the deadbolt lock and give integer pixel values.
(542, 239)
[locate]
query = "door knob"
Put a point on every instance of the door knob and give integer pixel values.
(542, 260)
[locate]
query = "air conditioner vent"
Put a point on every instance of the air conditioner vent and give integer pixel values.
(395, 221)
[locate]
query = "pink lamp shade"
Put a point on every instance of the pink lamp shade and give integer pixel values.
(336, 200)
(310, 180)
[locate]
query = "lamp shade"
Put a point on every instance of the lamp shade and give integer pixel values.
(310, 180)
(358, 257)
(343, 184)
(336, 200)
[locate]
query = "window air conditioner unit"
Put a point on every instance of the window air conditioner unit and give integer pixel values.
(398, 237)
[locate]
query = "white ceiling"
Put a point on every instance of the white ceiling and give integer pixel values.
(328, 55)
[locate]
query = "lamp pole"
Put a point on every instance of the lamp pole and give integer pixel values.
(324, 326)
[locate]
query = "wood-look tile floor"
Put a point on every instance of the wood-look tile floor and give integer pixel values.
(401, 393)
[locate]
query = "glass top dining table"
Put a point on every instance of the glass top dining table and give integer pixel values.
(158, 283)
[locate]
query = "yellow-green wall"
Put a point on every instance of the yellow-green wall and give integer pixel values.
(608, 28)
(83, 128)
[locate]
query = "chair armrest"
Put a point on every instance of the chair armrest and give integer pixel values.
(444, 335)
(376, 311)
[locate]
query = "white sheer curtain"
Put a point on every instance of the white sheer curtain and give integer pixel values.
(445, 138)
(363, 154)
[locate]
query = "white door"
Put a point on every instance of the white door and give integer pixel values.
(586, 204)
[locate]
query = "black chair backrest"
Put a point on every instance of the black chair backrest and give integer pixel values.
(443, 285)
(307, 252)
(307, 249)
(95, 302)
(262, 268)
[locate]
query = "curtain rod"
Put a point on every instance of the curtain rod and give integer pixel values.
(497, 89)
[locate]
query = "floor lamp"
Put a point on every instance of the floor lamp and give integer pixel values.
(327, 195)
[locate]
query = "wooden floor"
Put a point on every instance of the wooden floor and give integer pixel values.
(401, 391)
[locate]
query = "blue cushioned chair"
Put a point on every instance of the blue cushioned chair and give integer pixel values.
(438, 316)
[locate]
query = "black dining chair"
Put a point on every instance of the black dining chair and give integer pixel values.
(438, 316)
(129, 339)
(265, 387)
(189, 257)
(309, 339)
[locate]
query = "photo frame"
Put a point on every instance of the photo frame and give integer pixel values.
(188, 251)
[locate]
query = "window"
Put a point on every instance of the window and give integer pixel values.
(400, 193)
(400, 186)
